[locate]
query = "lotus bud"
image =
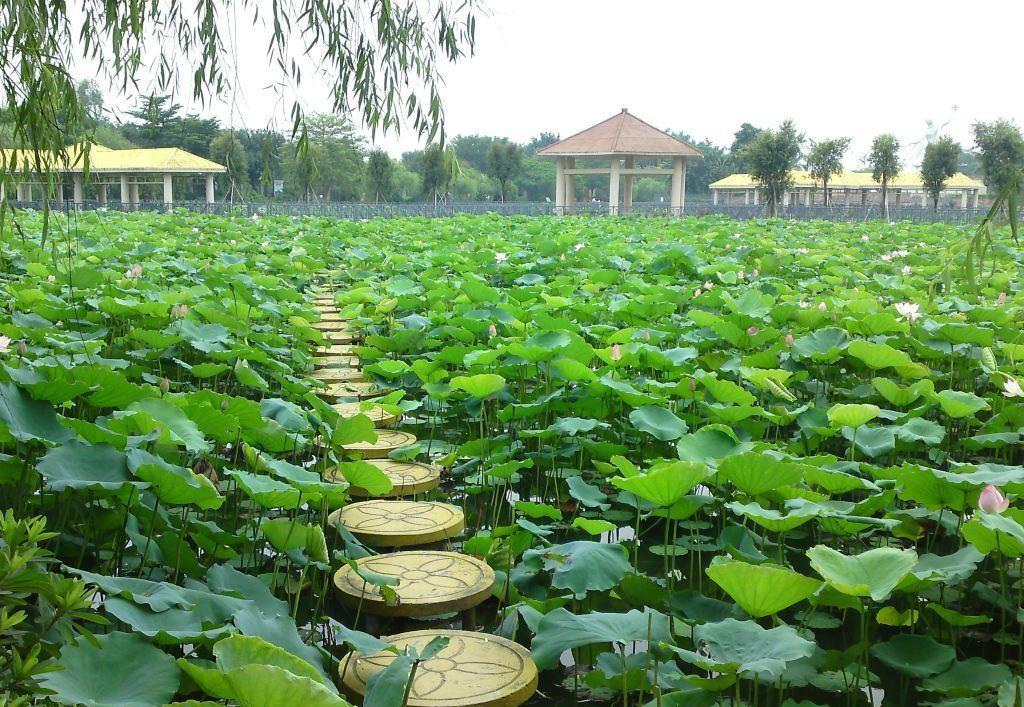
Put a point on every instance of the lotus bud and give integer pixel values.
(789, 339)
(693, 384)
(165, 385)
(991, 501)
(22, 348)
(492, 330)
(616, 354)
(752, 330)
(696, 293)
(184, 309)
(646, 335)
(175, 312)
(1001, 299)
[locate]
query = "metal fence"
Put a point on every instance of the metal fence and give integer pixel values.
(694, 207)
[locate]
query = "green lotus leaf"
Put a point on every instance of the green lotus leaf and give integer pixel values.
(123, 670)
(481, 385)
(710, 443)
(657, 422)
(582, 566)
(968, 677)
(761, 590)
(747, 649)
(666, 483)
(773, 520)
(915, 655)
(851, 414)
(560, 630)
(957, 403)
(271, 686)
(874, 573)
(755, 474)
(989, 532)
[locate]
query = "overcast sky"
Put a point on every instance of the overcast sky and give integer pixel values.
(838, 69)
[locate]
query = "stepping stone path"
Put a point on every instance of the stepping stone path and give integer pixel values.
(400, 523)
(407, 478)
(474, 669)
(429, 583)
(380, 416)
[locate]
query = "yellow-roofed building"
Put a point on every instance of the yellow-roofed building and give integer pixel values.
(100, 167)
(848, 189)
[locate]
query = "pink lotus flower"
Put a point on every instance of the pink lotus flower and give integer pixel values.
(165, 385)
(233, 242)
(500, 257)
(741, 275)
(789, 339)
(184, 309)
(909, 311)
(822, 306)
(51, 278)
(492, 330)
(1001, 299)
(175, 311)
(991, 501)
(906, 269)
(752, 330)
(5, 343)
(616, 354)
(1012, 388)
(696, 293)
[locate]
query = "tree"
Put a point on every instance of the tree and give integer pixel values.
(266, 150)
(1000, 151)
(435, 166)
(504, 163)
(155, 117)
(741, 138)
(471, 150)
(771, 158)
(227, 149)
(941, 160)
(826, 159)
(542, 140)
(379, 175)
(699, 173)
(884, 161)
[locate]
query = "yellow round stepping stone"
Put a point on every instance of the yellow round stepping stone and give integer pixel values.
(376, 413)
(351, 389)
(387, 442)
(430, 582)
(338, 375)
(473, 670)
(407, 478)
(400, 523)
(336, 361)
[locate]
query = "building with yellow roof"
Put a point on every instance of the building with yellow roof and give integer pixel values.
(848, 188)
(98, 167)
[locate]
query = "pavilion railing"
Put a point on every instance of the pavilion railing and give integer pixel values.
(694, 207)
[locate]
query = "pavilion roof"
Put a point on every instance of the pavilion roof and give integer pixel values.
(105, 159)
(622, 134)
(853, 180)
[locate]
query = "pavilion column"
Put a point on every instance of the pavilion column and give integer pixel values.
(20, 187)
(613, 188)
(785, 198)
(76, 181)
(899, 197)
(627, 195)
(103, 194)
(168, 191)
(974, 200)
(924, 199)
(809, 197)
(755, 196)
(714, 197)
(682, 190)
(559, 186)
(746, 197)
(570, 186)
(133, 193)
(678, 167)
(209, 188)
(963, 199)
(863, 198)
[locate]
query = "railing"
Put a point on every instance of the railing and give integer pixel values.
(359, 211)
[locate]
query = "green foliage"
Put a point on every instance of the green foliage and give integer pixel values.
(1001, 152)
(504, 162)
(825, 159)
(771, 158)
(884, 161)
(941, 161)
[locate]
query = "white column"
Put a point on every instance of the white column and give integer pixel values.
(76, 181)
(963, 199)
(755, 196)
(627, 195)
(58, 190)
(682, 190)
(613, 188)
(133, 193)
(126, 193)
(209, 188)
(785, 198)
(808, 197)
(677, 182)
(103, 194)
(559, 185)
(746, 197)
(974, 200)
(714, 197)
(570, 185)
(21, 191)
(168, 191)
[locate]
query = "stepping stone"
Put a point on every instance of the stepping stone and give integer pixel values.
(379, 416)
(336, 361)
(351, 389)
(473, 670)
(334, 317)
(430, 583)
(338, 375)
(340, 337)
(387, 442)
(400, 523)
(407, 478)
(336, 350)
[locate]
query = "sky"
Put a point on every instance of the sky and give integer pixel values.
(853, 69)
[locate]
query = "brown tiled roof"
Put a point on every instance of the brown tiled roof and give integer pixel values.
(622, 134)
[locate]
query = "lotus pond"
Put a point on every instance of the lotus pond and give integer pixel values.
(709, 462)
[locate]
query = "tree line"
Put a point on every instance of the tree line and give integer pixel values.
(331, 161)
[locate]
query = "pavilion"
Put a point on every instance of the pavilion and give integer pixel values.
(128, 169)
(622, 140)
(847, 189)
